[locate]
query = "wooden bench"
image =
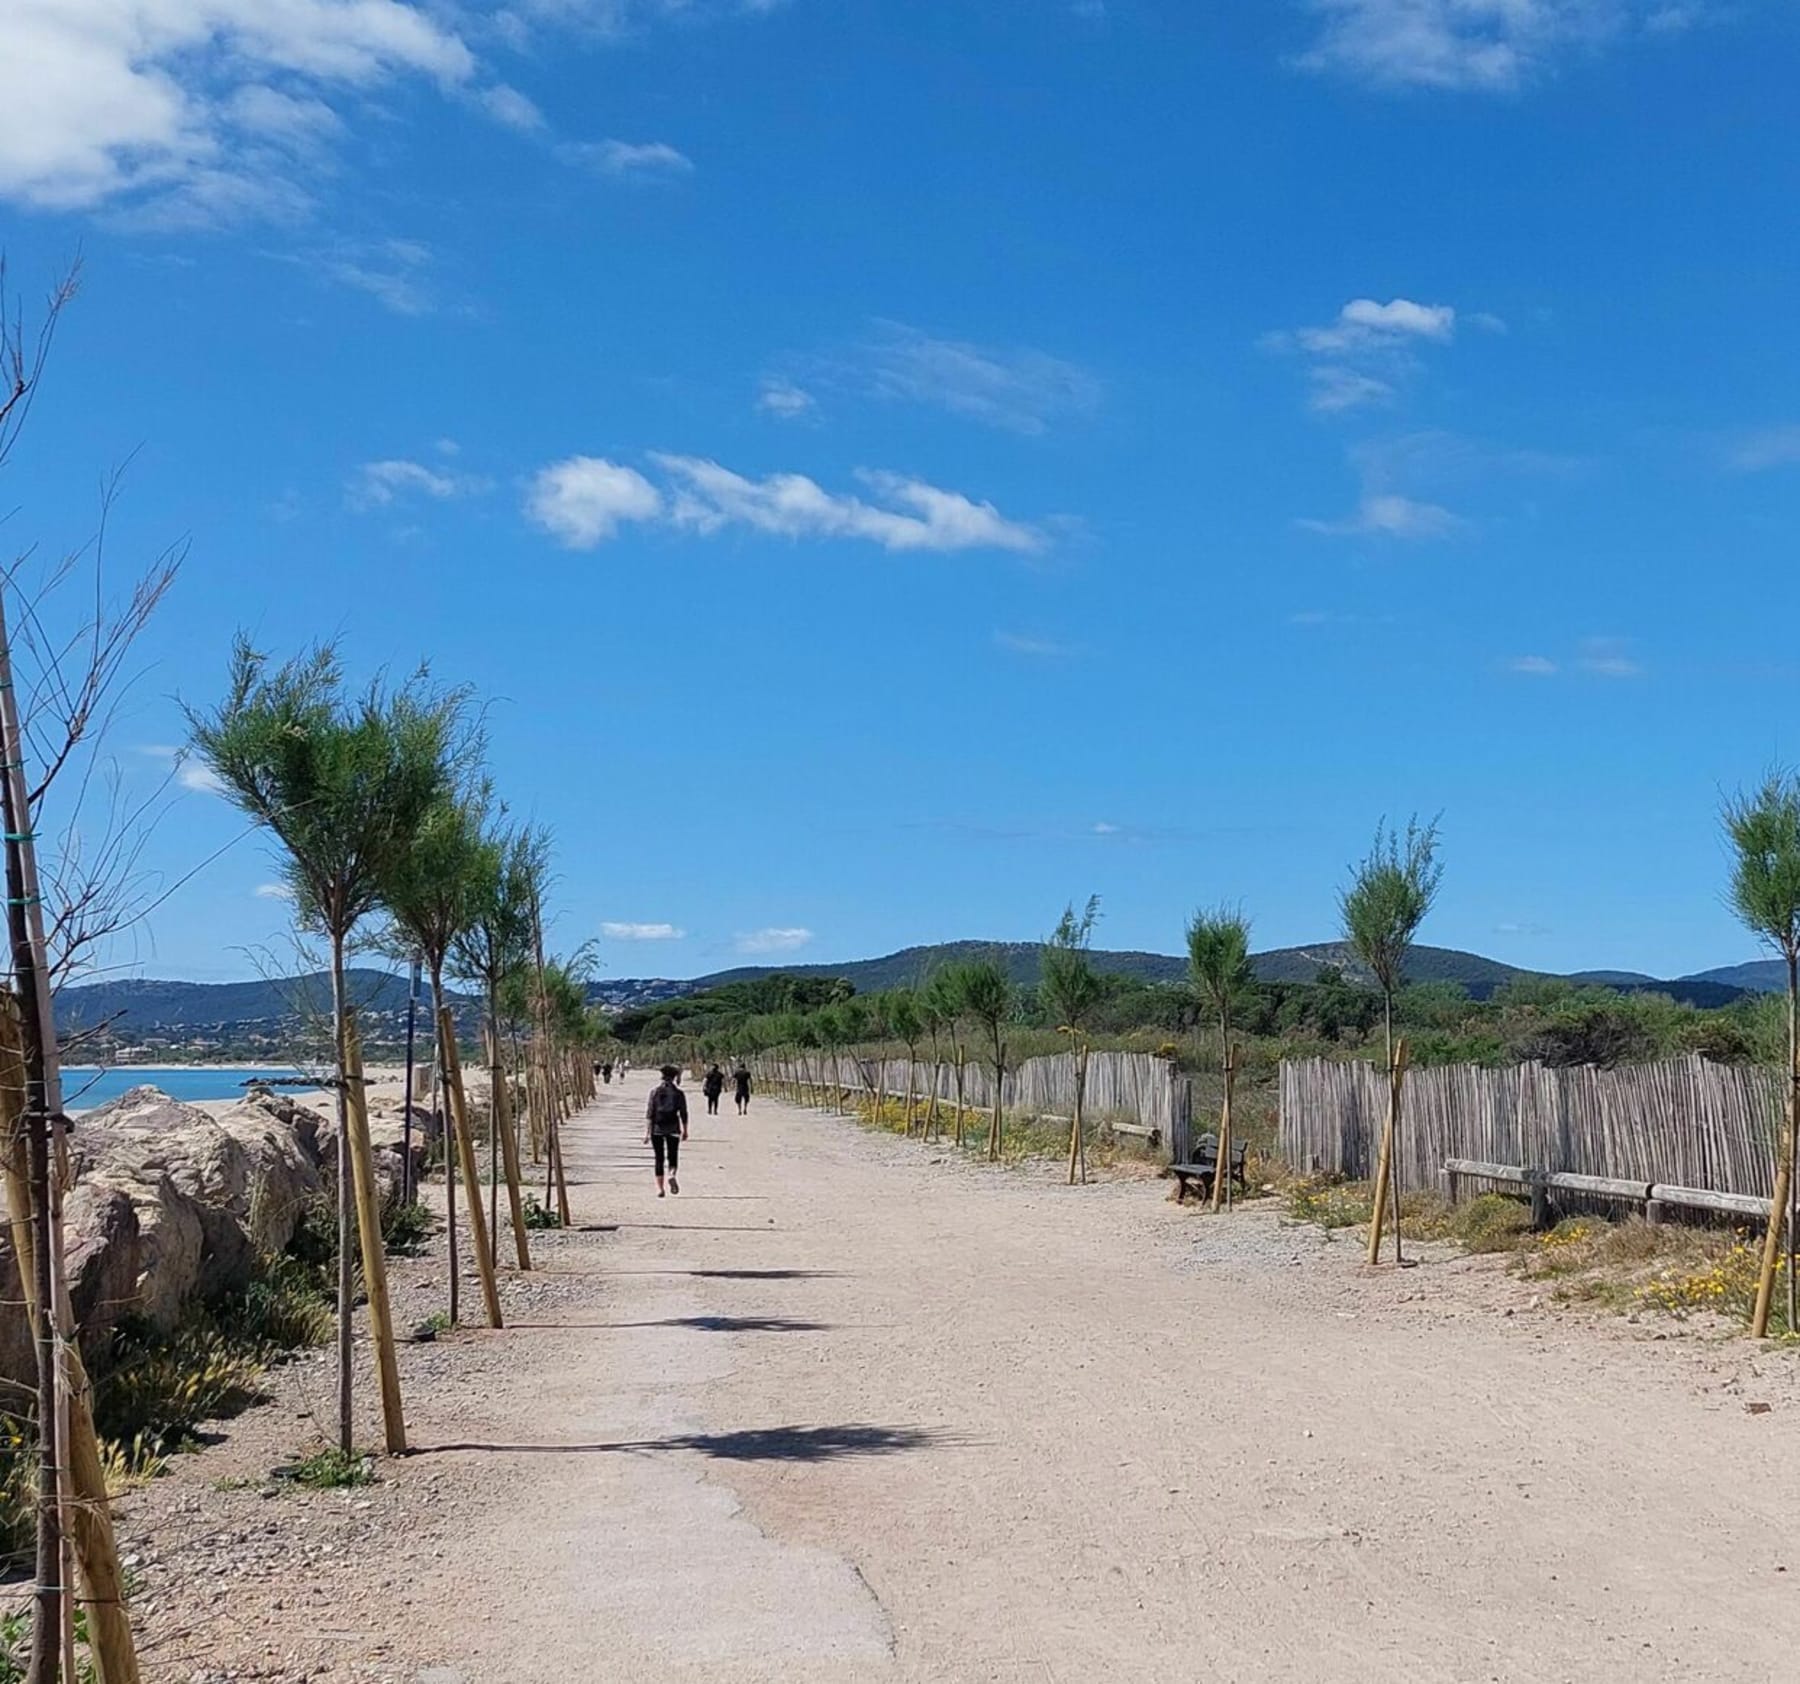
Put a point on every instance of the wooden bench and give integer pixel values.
(1205, 1166)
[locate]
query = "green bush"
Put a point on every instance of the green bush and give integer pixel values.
(539, 1216)
(1491, 1222)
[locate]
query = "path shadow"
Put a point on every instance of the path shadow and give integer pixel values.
(736, 1324)
(701, 1227)
(741, 1274)
(750, 1444)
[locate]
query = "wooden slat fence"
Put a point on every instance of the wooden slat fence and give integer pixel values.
(1137, 1086)
(1687, 1121)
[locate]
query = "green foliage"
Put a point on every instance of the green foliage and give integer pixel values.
(156, 1388)
(1491, 1222)
(538, 1215)
(429, 886)
(330, 1470)
(1218, 944)
(343, 783)
(1387, 899)
(984, 993)
(1069, 989)
(1764, 830)
(406, 1227)
(722, 1014)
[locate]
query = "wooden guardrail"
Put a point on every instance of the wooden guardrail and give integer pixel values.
(1654, 1196)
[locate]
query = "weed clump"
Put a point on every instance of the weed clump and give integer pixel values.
(330, 1470)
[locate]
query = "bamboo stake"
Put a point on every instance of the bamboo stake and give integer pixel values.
(509, 1149)
(1222, 1175)
(65, 1427)
(374, 1255)
(109, 1627)
(450, 1059)
(1383, 1175)
(1784, 1180)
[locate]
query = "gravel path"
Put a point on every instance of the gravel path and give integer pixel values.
(847, 1411)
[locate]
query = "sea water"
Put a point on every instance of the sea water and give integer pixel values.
(84, 1088)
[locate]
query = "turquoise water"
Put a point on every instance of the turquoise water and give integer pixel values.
(84, 1089)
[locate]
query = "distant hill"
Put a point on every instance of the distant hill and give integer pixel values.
(202, 1018)
(195, 1015)
(1479, 975)
(1760, 976)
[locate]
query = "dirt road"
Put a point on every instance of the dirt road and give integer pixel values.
(840, 1412)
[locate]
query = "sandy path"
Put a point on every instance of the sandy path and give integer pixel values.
(842, 1413)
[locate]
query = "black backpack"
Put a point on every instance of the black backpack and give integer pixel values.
(665, 1105)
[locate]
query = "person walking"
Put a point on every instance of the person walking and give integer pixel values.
(740, 1087)
(712, 1087)
(666, 1126)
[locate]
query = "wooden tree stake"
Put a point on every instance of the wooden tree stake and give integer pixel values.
(1389, 1140)
(374, 1254)
(450, 1063)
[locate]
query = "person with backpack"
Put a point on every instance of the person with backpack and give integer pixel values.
(712, 1087)
(666, 1126)
(740, 1087)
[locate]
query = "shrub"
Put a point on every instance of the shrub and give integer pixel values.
(1491, 1222)
(540, 1216)
(407, 1227)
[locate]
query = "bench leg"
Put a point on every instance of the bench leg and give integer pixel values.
(1181, 1189)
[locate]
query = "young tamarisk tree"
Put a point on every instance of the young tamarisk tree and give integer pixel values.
(496, 943)
(1071, 991)
(906, 1023)
(1218, 944)
(1381, 909)
(343, 783)
(1763, 826)
(987, 998)
(429, 890)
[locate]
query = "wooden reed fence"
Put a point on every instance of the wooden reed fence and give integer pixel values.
(1688, 1122)
(1136, 1086)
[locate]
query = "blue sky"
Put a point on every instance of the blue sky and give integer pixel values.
(900, 465)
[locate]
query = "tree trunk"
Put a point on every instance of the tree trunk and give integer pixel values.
(910, 1057)
(1222, 1175)
(962, 1068)
(374, 1254)
(441, 1109)
(451, 1061)
(346, 1216)
(1780, 1214)
(509, 1146)
(1077, 1138)
(995, 1132)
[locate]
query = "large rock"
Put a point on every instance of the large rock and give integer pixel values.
(280, 1140)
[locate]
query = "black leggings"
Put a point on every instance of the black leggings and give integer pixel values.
(669, 1144)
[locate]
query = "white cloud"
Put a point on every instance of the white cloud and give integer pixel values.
(641, 932)
(1336, 388)
(199, 777)
(1491, 45)
(772, 940)
(508, 106)
(621, 159)
(709, 497)
(392, 272)
(1103, 828)
(1608, 657)
(106, 101)
(1364, 324)
(274, 891)
(1772, 447)
(377, 484)
(1532, 666)
(1364, 354)
(1388, 515)
(1023, 643)
(583, 500)
(784, 399)
(1019, 389)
